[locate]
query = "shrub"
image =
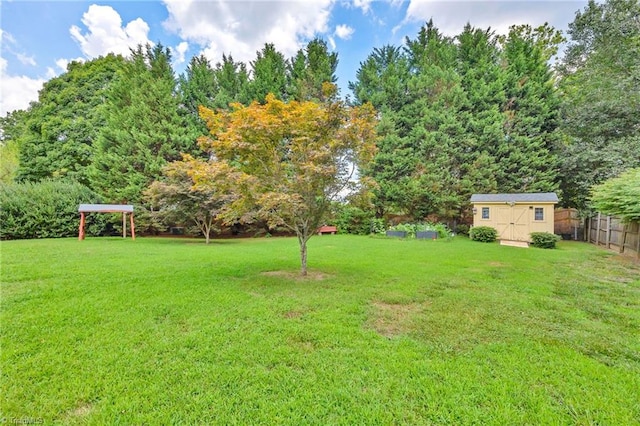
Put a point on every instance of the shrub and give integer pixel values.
(404, 227)
(47, 209)
(462, 229)
(544, 240)
(354, 220)
(484, 234)
(619, 196)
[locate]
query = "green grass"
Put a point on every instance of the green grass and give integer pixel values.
(385, 331)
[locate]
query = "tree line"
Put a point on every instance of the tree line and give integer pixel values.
(476, 112)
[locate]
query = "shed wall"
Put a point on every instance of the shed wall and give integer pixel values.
(515, 222)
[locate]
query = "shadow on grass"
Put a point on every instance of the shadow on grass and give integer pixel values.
(175, 240)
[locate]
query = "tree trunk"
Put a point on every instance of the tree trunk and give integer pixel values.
(206, 229)
(303, 256)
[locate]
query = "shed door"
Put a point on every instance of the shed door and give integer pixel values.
(520, 223)
(513, 223)
(504, 227)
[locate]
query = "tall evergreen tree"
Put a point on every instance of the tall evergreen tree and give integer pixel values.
(58, 132)
(232, 82)
(600, 97)
(459, 116)
(382, 79)
(436, 115)
(309, 69)
(269, 74)
(197, 86)
(527, 157)
(12, 130)
(144, 129)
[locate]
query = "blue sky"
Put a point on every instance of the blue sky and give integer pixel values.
(38, 38)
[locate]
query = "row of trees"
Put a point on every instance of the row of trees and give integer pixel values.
(486, 113)
(464, 114)
(113, 123)
(455, 115)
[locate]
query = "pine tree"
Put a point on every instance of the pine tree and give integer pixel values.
(269, 72)
(382, 79)
(57, 133)
(197, 86)
(527, 157)
(482, 80)
(232, 81)
(144, 129)
(435, 114)
(309, 69)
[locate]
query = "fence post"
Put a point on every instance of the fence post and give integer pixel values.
(608, 233)
(598, 230)
(587, 231)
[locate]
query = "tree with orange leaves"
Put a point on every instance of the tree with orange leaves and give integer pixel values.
(289, 161)
(180, 200)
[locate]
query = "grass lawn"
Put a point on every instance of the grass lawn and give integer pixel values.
(171, 331)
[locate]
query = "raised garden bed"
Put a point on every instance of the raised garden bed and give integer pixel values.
(427, 235)
(397, 234)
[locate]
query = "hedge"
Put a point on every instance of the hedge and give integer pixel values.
(47, 209)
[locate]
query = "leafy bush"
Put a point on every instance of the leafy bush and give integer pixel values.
(378, 226)
(411, 229)
(462, 229)
(47, 209)
(404, 227)
(484, 234)
(619, 196)
(354, 220)
(544, 240)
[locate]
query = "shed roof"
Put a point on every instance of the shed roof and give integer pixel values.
(106, 208)
(533, 197)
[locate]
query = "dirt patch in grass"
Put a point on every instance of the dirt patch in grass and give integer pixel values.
(81, 410)
(497, 264)
(295, 276)
(394, 319)
(292, 314)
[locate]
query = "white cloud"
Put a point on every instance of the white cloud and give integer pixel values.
(344, 31)
(62, 64)
(11, 46)
(241, 28)
(179, 52)
(450, 17)
(17, 91)
(26, 60)
(105, 33)
(6, 37)
(51, 72)
(365, 5)
(332, 43)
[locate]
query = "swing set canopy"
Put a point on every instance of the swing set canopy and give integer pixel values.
(105, 208)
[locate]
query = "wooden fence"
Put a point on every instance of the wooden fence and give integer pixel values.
(568, 225)
(612, 233)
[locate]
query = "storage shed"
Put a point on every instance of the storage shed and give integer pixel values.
(515, 216)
